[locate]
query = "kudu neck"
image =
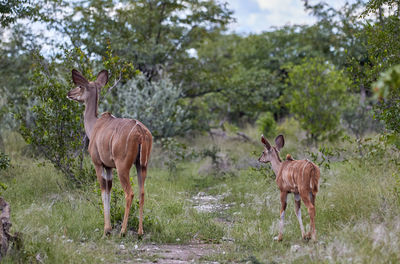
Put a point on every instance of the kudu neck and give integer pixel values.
(276, 164)
(90, 115)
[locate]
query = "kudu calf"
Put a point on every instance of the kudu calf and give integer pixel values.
(299, 177)
(114, 143)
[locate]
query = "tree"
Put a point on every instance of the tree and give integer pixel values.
(154, 34)
(11, 10)
(315, 95)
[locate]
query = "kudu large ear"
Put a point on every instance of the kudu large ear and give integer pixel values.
(265, 142)
(102, 78)
(279, 142)
(78, 78)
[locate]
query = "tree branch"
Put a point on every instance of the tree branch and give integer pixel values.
(112, 87)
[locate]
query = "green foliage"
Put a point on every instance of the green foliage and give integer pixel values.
(173, 153)
(11, 10)
(396, 187)
(387, 89)
(377, 6)
(316, 95)
(266, 124)
(4, 161)
(150, 33)
(4, 164)
(156, 104)
(358, 116)
(52, 124)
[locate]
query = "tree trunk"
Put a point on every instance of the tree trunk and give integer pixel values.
(5, 225)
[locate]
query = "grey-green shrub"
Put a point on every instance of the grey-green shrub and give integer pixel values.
(155, 104)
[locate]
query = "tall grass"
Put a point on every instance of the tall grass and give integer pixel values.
(357, 209)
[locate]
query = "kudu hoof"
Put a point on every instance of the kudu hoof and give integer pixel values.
(107, 233)
(307, 237)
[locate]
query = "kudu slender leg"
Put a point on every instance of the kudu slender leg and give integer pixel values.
(297, 210)
(123, 174)
(311, 211)
(141, 172)
(104, 176)
(282, 214)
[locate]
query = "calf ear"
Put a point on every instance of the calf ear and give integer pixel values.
(78, 78)
(102, 78)
(279, 142)
(265, 142)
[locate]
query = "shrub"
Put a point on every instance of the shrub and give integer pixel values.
(358, 117)
(4, 161)
(387, 89)
(266, 124)
(316, 95)
(156, 104)
(51, 123)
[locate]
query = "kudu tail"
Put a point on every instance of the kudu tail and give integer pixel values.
(144, 150)
(314, 179)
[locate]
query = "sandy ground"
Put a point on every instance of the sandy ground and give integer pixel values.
(171, 254)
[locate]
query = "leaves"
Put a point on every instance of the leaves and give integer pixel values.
(315, 95)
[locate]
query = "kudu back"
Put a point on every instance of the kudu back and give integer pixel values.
(114, 143)
(299, 177)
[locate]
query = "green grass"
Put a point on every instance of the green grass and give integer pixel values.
(357, 210)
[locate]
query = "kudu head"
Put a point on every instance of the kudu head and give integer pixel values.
(271, 152)
(86, 89)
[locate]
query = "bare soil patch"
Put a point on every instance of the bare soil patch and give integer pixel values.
(174, 254)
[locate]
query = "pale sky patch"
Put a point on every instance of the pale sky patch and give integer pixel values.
(256, 16)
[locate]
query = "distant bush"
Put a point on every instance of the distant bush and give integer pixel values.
(358, 117)
(316, 95)
(266, 124)
(387, 90)
(289, 127)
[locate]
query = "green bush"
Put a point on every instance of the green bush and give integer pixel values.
(316, 95)
(387, 89)
(52, 124)
(4, 161)
(266, 124)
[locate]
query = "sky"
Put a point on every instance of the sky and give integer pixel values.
(256, 16)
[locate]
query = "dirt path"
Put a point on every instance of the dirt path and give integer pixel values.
(195, 252)
(173, 254)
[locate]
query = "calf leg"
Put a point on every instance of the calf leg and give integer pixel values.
(311, 211)
(282, 214)
(141, 173)
(297, 210)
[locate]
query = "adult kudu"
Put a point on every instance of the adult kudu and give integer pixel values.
(114, 143)
(299, 177)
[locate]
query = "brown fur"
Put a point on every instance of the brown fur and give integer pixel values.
(114, 143)
(300, 177)
(289, 157)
